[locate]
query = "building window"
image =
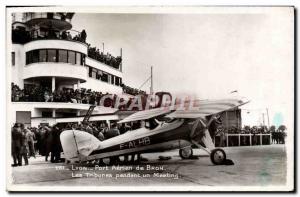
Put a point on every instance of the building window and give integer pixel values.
(35, 56)
(99, 74)
(63, 56)
(52, 55)
(78, 59)
(13, 60)
(71, 57)
(27, 58)
(117, 82)
(104, 77)
(82, 59)
(112, 79)
(90, 71)
(94, 73)
(43, 56)
(46, 114)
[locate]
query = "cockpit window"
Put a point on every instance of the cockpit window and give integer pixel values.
(151, 124)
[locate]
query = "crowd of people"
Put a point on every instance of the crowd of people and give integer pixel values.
(44, 140)
(277, 135)
(22, 36)
(35, 93)
(108, 59)
(132, 91)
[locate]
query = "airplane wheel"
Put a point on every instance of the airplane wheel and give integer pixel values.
(186, 153)
(218, 156)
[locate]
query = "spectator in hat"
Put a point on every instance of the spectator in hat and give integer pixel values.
(69, 36)
(83, 36)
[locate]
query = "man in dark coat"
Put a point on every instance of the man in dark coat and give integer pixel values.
(16, 145)
(42, 140)
(48, 142)
(56, 147)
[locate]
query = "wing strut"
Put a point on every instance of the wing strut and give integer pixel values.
(76, 145)
(88, 114)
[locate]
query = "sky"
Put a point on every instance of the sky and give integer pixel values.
(206, 55)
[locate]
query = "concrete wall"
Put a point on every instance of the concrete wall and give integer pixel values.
(56, 44)
(101, 86)
(103, 67)
(18, 68)
(57, 69)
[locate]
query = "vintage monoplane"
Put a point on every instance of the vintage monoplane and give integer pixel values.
(164, 129)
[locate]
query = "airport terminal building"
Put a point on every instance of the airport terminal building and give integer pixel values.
(47, 53)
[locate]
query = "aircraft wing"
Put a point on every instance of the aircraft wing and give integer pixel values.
(146, 114)
(205, 108)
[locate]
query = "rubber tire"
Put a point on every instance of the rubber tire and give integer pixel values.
(212, 158)
(183, 156)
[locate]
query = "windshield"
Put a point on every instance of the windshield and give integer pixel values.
(151, 123)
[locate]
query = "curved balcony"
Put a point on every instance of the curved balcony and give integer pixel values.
(56, 44)
(59, 21)
(59, 70)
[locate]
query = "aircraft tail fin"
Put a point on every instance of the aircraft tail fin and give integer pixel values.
(78, 144)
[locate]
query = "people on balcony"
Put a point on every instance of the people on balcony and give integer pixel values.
(108, 59)
(64, 35)
(20, 35)
(132, 91)
(34, 93)
(83, 35)
(37, 93)
(69, 36)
